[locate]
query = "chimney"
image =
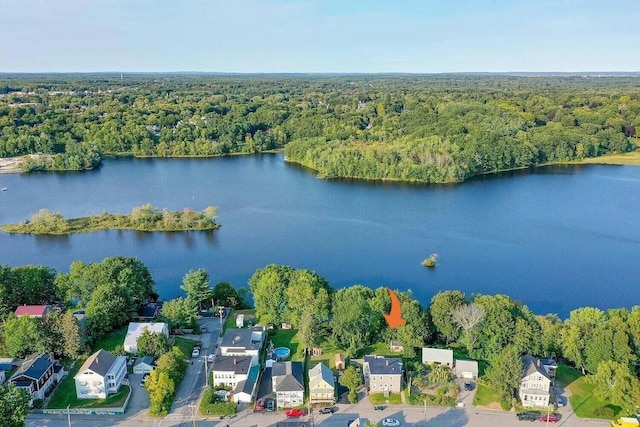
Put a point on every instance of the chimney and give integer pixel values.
(538, 363)
(234, 360)
(386, 362)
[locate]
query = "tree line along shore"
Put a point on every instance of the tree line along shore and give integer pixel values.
(493, 329)
(407, 128)
(141, 218)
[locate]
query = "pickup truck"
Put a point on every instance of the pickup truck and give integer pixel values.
(625, 422)
(295, 413)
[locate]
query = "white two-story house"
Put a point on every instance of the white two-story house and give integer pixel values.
(100, 375)
(230, 370)
(243, 342)
(537, 379)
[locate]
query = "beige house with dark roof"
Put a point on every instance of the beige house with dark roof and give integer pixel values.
(383, 374)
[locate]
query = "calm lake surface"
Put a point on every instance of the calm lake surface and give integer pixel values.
(556, 239)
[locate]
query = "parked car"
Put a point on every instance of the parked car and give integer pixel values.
(271, 405)
(390, 422)
(551, 418)
(203, 328)
(144, 379)
(131, 361)
(199, 344)
(195, 353)
(330, 410)
(468, 386)
(295, 413)
(211, 357)
(259, 405)
(378, 408)
(561, 401)
(528, 416)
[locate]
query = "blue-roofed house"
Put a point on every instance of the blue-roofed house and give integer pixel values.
(37, 375)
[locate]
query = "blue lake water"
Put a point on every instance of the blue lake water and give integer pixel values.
(556, 239)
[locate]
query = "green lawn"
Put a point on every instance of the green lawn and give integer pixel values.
(186, 346)
(66, 395)
(395, 398)
(584, 403)
(287, 338)
(377, 398)
(111, 341)
(328, 355)
(486, 396)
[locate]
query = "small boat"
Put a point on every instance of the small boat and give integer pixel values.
(4, 188)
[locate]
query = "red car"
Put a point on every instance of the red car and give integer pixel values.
(295, 413)
(551, 418)
(260, 405)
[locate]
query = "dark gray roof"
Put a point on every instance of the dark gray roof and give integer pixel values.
(244, 386)
(531, 365)
(239, 338)
(146, 359)
(36, 368)
(379, 365)
(236, 364)
(287, 376)
(99, 362)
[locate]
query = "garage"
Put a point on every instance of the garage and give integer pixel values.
(144, 365)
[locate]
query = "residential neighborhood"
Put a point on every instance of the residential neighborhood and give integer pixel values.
(227, 363)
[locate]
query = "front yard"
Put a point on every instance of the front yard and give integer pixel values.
(583, 401)
(486, 396)
(186, 346)
(65, 395)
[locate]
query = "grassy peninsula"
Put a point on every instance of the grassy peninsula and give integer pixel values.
(141, 218)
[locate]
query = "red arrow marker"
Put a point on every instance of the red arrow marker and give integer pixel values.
(394, 319)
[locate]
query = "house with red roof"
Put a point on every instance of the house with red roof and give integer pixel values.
(32, 310)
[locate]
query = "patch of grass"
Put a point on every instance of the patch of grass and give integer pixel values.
(328, 356)
(395, 398)
(632, 158)
(377, 398)
(186, 346)
(111, 341)
(287, 338)
(583, 400)
(485, 395)
(66, 395)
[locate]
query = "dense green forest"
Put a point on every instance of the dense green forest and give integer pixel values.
(439, 128)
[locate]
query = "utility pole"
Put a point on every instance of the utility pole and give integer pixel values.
(206, 372)
(69, 415)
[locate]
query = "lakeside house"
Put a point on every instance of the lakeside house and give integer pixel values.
(32, 310)
(243, 342)
(537, 378)
(322, 384)
(383, 374)
(100, 375)
(37, 375)
(136, 329)
(287, 380)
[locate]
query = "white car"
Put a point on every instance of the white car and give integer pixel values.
(210, 358)
(195, 353)
(390, 422)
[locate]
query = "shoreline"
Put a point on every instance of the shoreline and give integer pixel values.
(12, 164)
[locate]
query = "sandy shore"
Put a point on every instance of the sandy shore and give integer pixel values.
(10, 164)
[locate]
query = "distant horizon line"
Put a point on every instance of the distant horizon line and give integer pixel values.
(334, 73)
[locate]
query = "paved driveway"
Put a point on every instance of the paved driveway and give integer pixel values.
(139, 401)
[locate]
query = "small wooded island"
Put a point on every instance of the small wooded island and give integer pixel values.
(141, 218)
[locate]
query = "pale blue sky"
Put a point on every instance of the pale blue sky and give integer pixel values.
(418, 36)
